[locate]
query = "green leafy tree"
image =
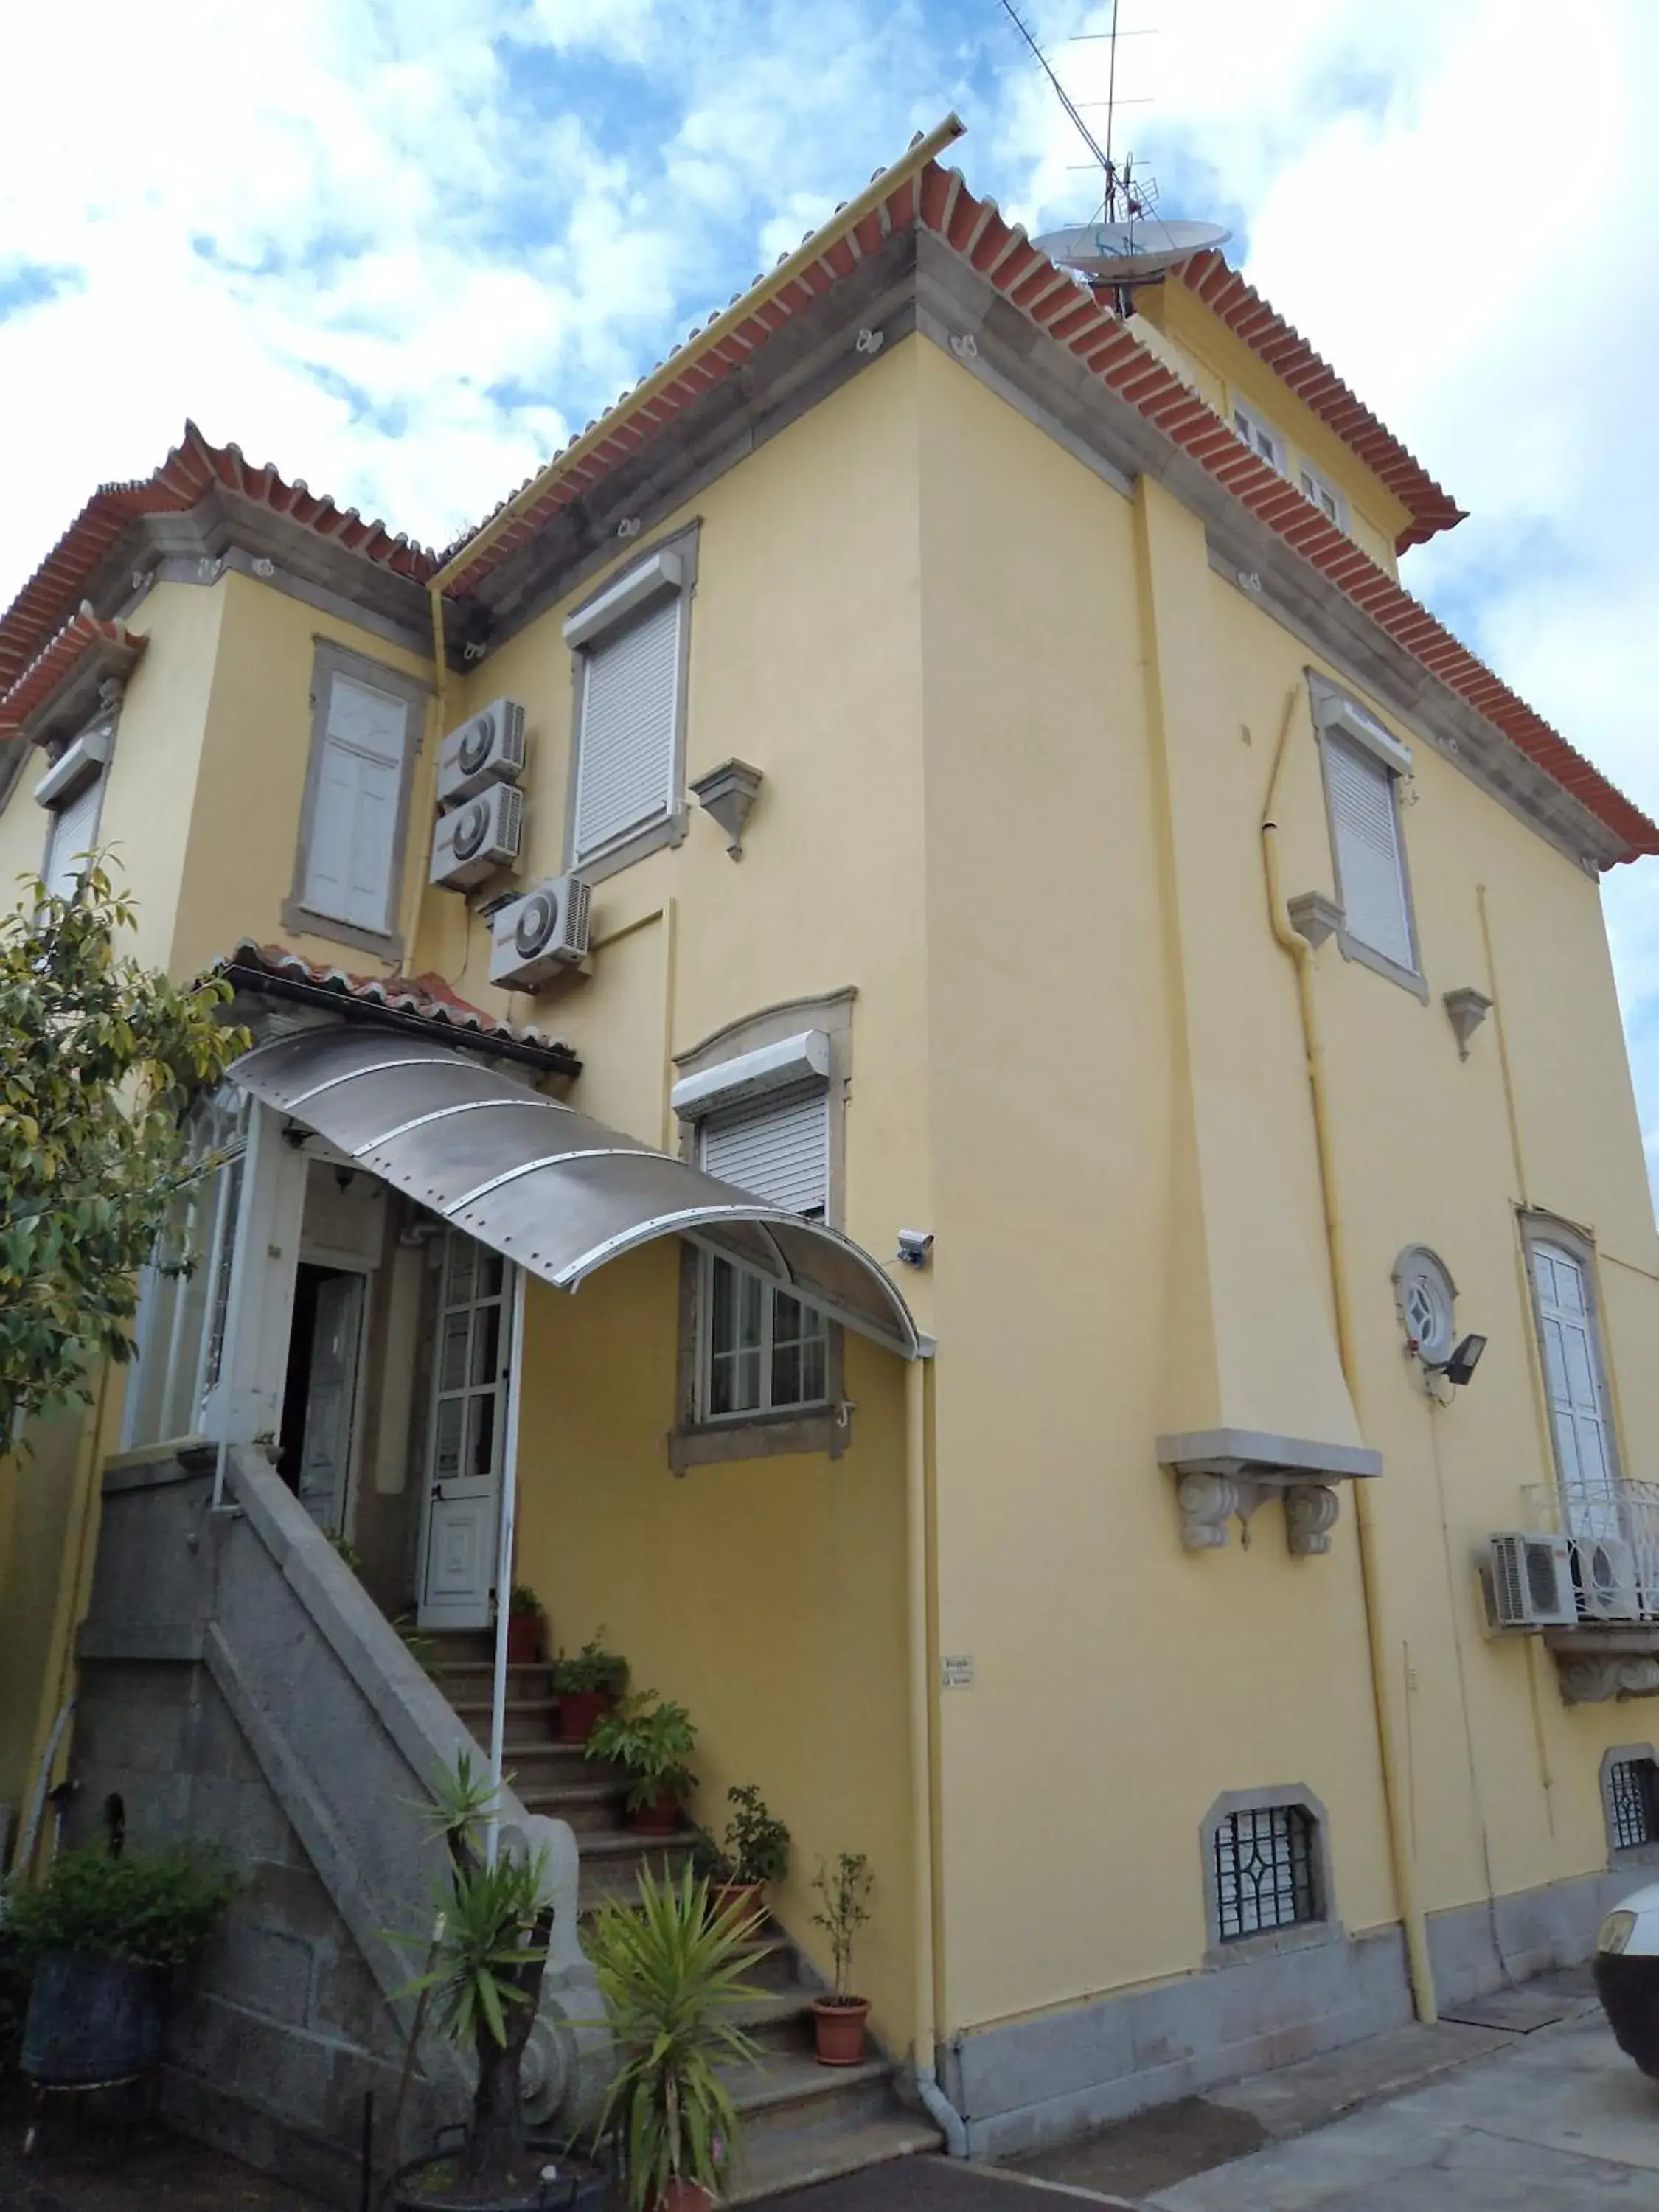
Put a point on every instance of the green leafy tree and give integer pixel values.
(100, 1059)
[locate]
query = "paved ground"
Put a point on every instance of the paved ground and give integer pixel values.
(90, 2162)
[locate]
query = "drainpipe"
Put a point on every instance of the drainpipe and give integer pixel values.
(918, 1552)
(1400, 1850)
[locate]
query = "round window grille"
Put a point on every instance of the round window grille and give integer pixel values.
(1427, 1298)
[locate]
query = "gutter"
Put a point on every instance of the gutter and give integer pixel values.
(1401, 1852)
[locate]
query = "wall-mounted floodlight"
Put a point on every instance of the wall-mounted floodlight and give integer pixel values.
(1465, 1358)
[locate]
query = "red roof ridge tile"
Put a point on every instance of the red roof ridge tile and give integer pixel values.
(428, 996)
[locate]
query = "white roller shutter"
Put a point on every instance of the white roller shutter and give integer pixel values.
(73, 832)
(354, 823)
(625, 754)
(1370, 867)
(776, 1145)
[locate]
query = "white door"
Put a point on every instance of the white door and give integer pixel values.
(1585, 1459)
(330, 1398)
(464, 1457)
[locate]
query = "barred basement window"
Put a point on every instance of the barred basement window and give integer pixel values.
(1265, 1875)
(1633, 1803)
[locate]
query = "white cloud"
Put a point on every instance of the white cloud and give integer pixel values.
(405, 252)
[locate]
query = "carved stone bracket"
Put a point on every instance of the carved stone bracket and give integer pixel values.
(1594, 1682)
(1225, 1474)
(727, 793)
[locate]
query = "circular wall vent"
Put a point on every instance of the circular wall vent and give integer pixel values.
(1427, 1299)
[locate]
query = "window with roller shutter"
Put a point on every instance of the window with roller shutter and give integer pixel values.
(626, 747)
(761, 1351)
(73, 833)
(1371, 866)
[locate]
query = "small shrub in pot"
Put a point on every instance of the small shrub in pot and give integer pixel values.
(754, 1851)
(838, 2019)
(586, 1685)
(524, 1626)
(652, 1738)
(104, 1932)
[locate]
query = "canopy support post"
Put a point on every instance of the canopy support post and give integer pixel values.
(504, 1560)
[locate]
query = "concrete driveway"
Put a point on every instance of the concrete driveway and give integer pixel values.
(1560, 2119)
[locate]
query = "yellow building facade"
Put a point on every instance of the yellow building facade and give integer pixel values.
(1188, 955)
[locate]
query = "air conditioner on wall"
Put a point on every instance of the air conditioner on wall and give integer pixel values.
(1607, 1578)
(1528, 1582)
(481, 835)
(536, 935)
(489, 749)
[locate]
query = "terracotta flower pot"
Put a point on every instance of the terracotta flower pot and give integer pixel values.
(524, 1639)
(750, 1896)
(578, 1709)
(838, 2025)
(685, 2196)
(660, 1816)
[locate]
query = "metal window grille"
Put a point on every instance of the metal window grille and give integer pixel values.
(1633, 1798)
(1264, 1871)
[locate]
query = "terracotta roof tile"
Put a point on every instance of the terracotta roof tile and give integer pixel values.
(426, 997)
(57, 662)
(194, 466)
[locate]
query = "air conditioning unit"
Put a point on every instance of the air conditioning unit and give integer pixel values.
(489, 749)
(1607, 1578)
(1528, 1582)
(545, 930)
(481, 835)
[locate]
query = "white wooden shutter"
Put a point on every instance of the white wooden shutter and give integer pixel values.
(1572, 1369)
(353, 821)
(1370, 866)
(776, 1145)
(625, 755)
(74, 831)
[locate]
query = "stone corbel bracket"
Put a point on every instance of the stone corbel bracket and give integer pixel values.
(1595, 1666)
(1225, 1473)
(727, 793)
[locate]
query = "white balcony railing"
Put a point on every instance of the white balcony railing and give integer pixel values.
(1611, 1530)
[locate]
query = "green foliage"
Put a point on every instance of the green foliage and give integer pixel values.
(845, 1895)
(757, 1844)
(100, 1059)
(667, 1971)
(652, 1739)
(593, 1667)
(156, 1908)
(522, 1599)
(488, 1911)
(346, 1550)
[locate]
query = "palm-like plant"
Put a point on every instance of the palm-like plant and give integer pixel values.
(485, 1972)
(667, 1971)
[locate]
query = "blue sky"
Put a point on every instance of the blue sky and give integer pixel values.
(404, 249)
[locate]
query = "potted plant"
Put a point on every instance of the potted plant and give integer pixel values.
(482, 1983)
(838, 2019)
(668, 1969)
(585, 1686)
(524, 1626)
(652, 1739)
(104, 1932)
(755, 1852)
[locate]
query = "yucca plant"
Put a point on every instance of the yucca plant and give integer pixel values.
(667, 1972)
(484, 1977)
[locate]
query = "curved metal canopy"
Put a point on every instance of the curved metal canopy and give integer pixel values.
(543, 1184)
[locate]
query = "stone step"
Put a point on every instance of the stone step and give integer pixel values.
(779, 2020)
(533, 1717)
(558, 1766)
(776, 2163)
(783, 2091)
(590, 1808)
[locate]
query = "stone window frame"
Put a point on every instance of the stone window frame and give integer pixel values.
(827, 1428)
(331, 659)
(1328, 701)
(670, 829)
(1627, 1855)
(1304, 1935)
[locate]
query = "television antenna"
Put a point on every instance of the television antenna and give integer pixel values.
(1128, 243)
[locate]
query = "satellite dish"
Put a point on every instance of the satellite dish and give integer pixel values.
(1123, 252)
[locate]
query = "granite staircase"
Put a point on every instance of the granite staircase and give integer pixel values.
(802, 2121)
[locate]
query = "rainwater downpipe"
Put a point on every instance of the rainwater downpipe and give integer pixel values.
(924, 1830)
(1401, 1855)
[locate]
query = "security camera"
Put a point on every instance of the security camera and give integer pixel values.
(914, 1246)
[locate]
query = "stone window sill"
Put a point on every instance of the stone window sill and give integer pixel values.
(1304, 1935)
(826, 1429)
